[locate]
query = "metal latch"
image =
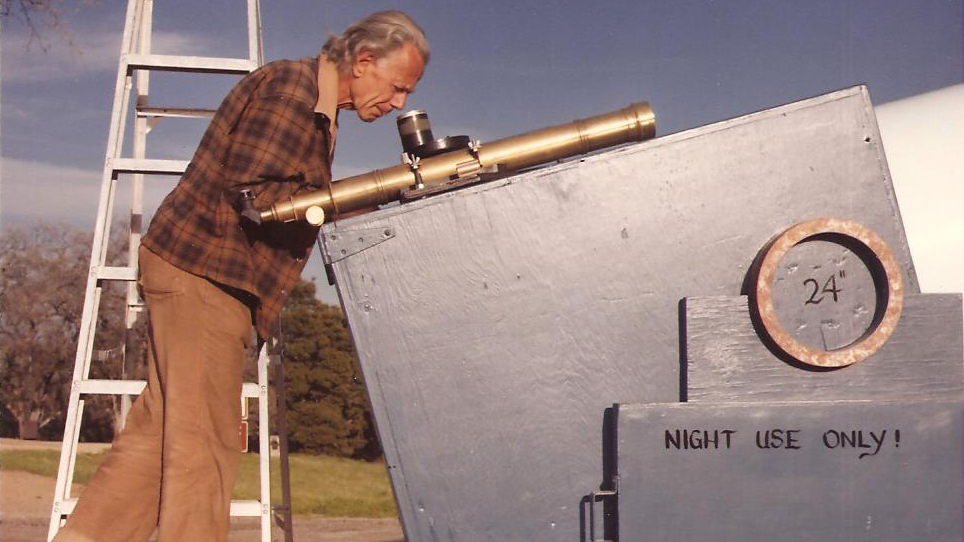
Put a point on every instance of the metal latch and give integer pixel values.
(594, 497)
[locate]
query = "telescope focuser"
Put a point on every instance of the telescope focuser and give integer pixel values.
(431, 165)
(246, 202)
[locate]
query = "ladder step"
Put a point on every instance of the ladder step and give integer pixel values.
(149, 166)
(134, 387)
(111, 387)
(117, 273)
(174, 112)
(245, 508)
(249, 389)
(191, 64)
(65, 507)
(238, 508)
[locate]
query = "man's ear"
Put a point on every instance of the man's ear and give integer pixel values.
(363, 61)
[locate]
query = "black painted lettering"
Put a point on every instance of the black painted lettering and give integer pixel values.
(859, 439)
(831, 287)
(813, 299)
(697, 439)
(792, 442)
(778, 438)
(831, 439)
(878, 441)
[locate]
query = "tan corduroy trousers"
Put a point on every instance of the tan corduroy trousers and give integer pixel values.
(173, 467)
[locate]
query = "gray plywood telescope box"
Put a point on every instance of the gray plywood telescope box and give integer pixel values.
(497, 325)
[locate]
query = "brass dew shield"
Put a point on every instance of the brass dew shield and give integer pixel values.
(634, 123)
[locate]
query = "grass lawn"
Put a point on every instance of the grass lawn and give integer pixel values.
(321, 485)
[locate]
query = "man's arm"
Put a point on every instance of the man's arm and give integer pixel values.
(277, 150)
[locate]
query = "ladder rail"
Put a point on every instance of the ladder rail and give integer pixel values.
(139, 150)
(255, 41)
(282, 416)
(92, 293)
(264, 445)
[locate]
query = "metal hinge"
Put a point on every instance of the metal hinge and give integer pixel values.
(337, 245)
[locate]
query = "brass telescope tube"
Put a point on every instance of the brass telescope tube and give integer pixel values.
(634, 123)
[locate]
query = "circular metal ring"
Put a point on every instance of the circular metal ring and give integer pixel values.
(888, 283)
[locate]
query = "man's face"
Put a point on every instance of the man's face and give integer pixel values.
(380, 85)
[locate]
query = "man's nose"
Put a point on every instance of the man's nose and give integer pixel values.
(398, 100)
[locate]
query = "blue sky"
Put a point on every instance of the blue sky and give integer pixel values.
(498, 68)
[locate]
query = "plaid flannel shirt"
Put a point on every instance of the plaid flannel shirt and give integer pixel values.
(270, 136)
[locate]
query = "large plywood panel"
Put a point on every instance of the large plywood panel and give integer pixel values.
(496, 324)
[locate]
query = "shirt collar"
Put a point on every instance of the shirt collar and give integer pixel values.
(327, 88)
(328, 97)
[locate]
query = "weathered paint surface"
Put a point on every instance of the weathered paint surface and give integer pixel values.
(499, 322)
(835, 471)
(727, 362)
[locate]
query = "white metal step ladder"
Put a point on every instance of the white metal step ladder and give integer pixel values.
(136, 63)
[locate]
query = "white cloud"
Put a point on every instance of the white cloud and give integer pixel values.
(45, 192)
(93, 52)
(42, 192)
(180, 43)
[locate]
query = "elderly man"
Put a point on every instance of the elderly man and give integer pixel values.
(206, 276)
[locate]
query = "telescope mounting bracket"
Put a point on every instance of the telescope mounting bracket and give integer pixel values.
(414, 162)
(451, 184)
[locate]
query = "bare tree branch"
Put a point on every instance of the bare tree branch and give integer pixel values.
(41, 17)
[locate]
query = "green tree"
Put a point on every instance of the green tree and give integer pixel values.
(328, 408)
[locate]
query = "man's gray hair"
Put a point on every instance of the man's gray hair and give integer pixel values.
(380, 33)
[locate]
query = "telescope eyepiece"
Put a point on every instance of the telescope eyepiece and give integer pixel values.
(415, 130)
(417, 139)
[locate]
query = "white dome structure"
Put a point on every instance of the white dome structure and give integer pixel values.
(923, 138)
